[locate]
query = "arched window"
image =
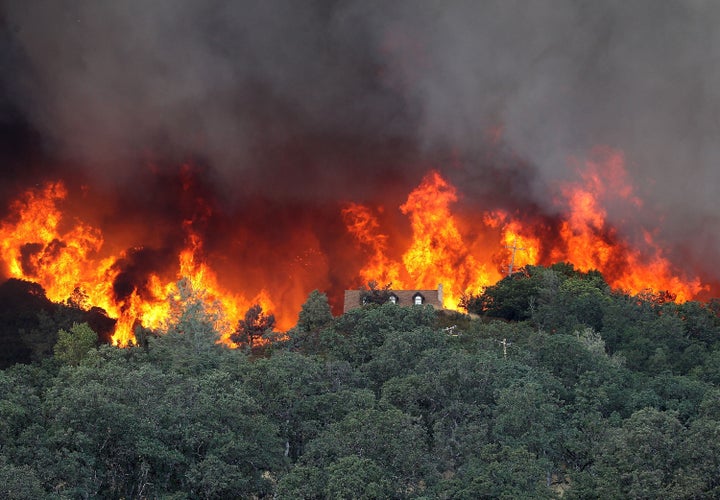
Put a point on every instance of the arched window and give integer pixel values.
(418, 299)
(393, 299)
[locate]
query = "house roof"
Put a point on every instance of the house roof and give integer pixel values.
(353, 298)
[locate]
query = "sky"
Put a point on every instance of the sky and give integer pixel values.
(307, 104)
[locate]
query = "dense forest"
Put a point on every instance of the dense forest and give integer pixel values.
(554, 386)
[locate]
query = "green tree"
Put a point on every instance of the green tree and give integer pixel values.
(354, 477)
(528, 414)
(701, 451)
(315, 312)
(399, 354)
(190, 341)
(572, 304)
(641, 459)
(193, 315)
(315, 315)
(510, 298)
(124, 428)
(390, 438)
(19, 482)
(354, 336)
(73, 346)
(498, 471)
(301, 481)
(304, 395)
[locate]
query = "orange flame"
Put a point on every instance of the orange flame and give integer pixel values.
(440, 252)
(35, 248)
(465, 252)
(363, 224)
(590, 243)
(437, 255)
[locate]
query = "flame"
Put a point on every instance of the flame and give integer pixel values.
(524, 248)
(363, 224)
(438, 253)
(590, 243)
(441, 252)
(464, 251)
(35, 247)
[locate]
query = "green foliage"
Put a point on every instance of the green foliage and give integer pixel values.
(29, 322)
(189, 340)
(19, 482)
(307, 482)
(355, 335)
(510, 298)
(575, 303)
(388, 438)
(198, 434)
(560, 286)
(641, 457)
(73, 346)
(192, 315)
(315, 315)
(594, 394)
(315, 312)
(354, 477)
(498, 472)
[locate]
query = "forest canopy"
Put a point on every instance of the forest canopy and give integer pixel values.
(555, 386)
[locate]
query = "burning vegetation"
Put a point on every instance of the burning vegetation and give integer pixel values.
(47, 240)
(264, 151)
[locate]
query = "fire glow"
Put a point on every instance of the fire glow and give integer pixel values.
(463, 252)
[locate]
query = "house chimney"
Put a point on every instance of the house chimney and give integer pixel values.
(440, 295)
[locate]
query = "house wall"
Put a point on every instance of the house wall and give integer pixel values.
(405, 298)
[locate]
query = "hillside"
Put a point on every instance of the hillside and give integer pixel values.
(562, 386)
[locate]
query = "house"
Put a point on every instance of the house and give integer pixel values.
(354, 298)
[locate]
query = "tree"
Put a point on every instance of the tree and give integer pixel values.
(192, 314)
(574, 303)
(190, 341)
(509, 298)
(641, 459)
(252, 327)
(303, 395)
(355, 335)
(73, 346)
(389, 438)
(375, 295)
(498, 471)
(301, 481)
(19, 483)
(528, 414)
(354, 477)
(119, 428)
(314, 316)
(315, 312)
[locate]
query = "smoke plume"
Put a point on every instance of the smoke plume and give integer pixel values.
(288, 108)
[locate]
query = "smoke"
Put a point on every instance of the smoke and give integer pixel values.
(252, 88)
(562, 77)
(336, 100)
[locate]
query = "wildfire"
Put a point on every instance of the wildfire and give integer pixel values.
(68, 262)
(439, 252)
(465, 252)
(590, 243)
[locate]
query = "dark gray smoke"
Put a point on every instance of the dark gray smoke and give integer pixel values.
(341, 98)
